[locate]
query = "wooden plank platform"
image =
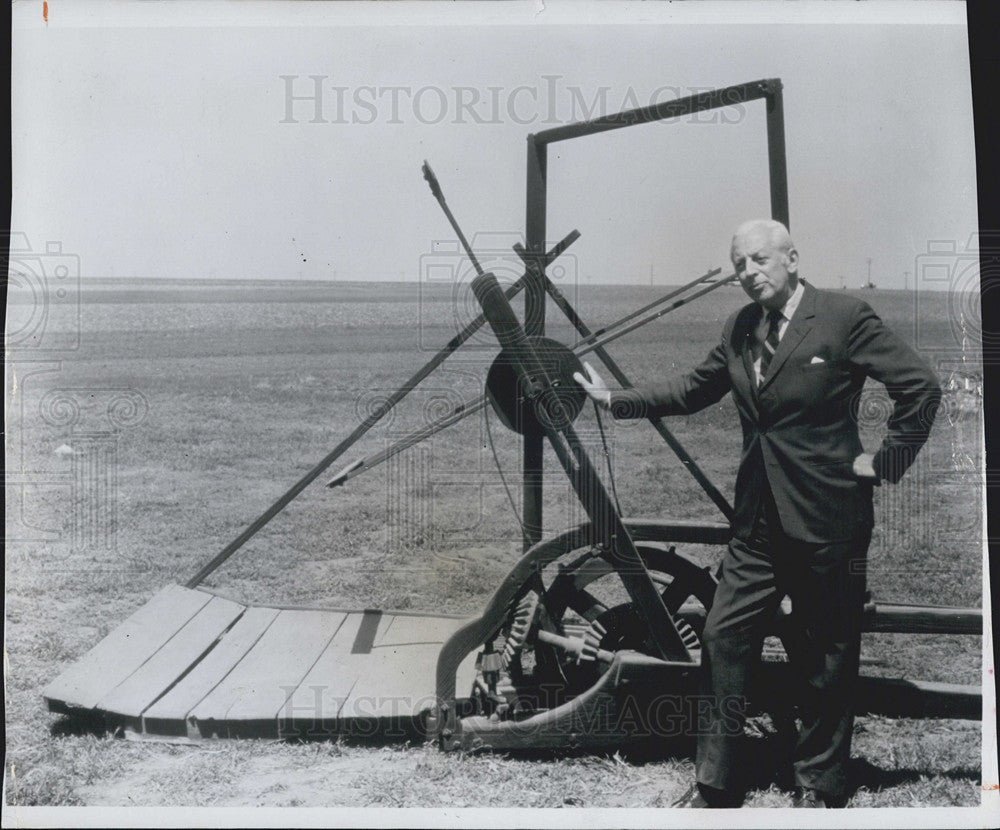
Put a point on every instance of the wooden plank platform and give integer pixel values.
(134, 695)
(191, 663)
(315, 706)
(257, 688)
(395, 683)
(193, 687)
(126, 648)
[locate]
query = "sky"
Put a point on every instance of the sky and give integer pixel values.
(158, 143)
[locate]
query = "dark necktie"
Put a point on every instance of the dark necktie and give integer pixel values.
(770, 345)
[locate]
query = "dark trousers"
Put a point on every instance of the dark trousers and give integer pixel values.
(826, 583)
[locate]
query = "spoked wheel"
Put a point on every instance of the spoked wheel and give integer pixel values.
(590, 589)
(586, 607)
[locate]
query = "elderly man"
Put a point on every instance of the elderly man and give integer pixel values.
(795, 360)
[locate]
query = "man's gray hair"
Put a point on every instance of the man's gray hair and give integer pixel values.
(776, 232)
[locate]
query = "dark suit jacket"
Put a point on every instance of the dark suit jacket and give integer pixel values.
(800, 430)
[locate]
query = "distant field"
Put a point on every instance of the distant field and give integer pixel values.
(237, 390)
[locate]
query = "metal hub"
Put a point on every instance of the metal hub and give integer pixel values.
(514, 400)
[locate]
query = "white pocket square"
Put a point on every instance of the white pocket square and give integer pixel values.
(817, 359)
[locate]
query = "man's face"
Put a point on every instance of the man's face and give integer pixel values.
(767, 273)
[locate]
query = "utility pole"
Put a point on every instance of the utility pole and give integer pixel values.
(651, 273)
(906, 280)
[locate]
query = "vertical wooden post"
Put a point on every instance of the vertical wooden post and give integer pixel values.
(776, 161)
(534, 324)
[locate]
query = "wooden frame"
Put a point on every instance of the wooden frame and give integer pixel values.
(768, 90)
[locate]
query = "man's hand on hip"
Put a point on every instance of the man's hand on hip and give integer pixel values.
(594, 385)
(864, 468)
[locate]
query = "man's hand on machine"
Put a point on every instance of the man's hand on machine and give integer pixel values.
(594, 386)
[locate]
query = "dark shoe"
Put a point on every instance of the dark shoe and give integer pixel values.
(691, 798)
(807, 797)
(695, 797)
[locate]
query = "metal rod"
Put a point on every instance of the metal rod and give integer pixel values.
(632, 315)
(363, 464)
(710, 99)
(436, 190)
(572, 646)
(592, 347)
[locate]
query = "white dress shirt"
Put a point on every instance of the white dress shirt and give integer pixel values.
(787, 310)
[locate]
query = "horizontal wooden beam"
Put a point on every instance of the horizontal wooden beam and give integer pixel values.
(710, 99)
(892, 618)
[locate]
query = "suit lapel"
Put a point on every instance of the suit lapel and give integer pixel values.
(798, 327)
(749, 319)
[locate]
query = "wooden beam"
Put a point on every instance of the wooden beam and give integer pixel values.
(776, 161)
(534, 324)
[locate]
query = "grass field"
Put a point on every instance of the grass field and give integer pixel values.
(213, 399)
